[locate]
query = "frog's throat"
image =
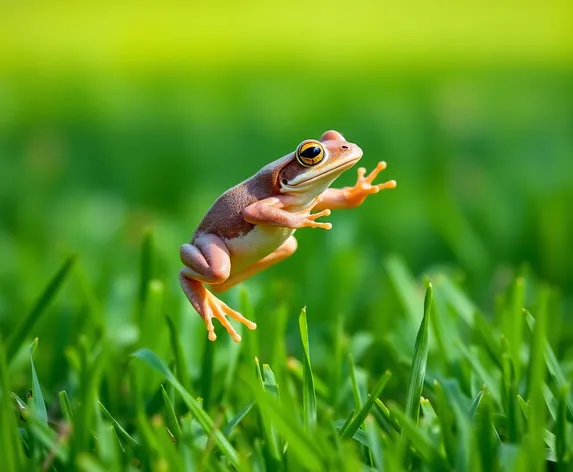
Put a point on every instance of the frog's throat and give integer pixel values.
(305, 185)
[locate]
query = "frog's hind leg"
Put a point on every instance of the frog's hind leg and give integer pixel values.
(285, 250)
(209, 307)
(207, 261)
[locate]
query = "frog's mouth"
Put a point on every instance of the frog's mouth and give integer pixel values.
(303, 185)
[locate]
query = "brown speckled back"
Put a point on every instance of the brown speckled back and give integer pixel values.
(225, 217)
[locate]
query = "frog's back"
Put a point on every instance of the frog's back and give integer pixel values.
(225, 217)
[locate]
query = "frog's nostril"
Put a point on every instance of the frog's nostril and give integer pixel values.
(344, 147)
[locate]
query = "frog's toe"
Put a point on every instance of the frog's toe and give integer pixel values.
(389, 184)
(225, 322)
(220, 311)
(207, 315)
(240, 318)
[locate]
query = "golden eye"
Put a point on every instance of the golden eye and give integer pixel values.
(310, 153)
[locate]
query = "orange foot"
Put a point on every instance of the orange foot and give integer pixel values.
(209, 307)
(363, 187)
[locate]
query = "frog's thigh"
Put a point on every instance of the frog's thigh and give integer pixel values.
(207, 259)
(283, 251)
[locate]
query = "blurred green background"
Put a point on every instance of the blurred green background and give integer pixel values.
(121, 119)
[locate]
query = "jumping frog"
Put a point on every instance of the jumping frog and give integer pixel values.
(250, 227)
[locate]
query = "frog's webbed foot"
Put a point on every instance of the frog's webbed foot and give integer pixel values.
(364, 187)
(209, 307)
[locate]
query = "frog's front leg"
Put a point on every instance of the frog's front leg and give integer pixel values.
(271, 212)
(350, 197)
(208, 261)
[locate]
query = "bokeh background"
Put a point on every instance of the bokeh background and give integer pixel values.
(122, 119)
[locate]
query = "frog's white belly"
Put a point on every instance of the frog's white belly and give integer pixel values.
(256, 244)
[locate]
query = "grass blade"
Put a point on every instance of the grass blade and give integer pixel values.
(346, 423)
(510, 400)
(487, 440)
(231, 425)
(476, 401)
(537, 372)
(553, 367)
(66, 406)
(309, 394)
(350, 429)
(267, 426)
(270, 381)
(418, 372)
(387, 416)
(172, 421)
(561, 433)
(11, 457)
(37, 397)
(122, 433)
(354, 382)
(23, 329)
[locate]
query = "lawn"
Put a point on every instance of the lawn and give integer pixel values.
(432, 385)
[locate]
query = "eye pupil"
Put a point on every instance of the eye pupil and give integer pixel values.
(311, 152)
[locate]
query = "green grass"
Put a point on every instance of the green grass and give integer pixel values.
(467, 392)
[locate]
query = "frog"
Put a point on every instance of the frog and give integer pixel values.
(251, 226)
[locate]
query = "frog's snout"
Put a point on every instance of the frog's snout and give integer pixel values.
(355, 151)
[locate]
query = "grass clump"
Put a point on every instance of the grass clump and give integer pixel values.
(445, 387)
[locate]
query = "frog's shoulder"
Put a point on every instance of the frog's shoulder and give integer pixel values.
(225, 217)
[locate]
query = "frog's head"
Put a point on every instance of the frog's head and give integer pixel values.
(316, 164)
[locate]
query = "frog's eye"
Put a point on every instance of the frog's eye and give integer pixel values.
(310, 153)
